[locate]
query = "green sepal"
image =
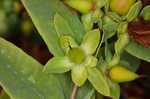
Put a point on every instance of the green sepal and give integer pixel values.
(79, 75)
(58, 65)
(66, 42)
(115, 60)
(122, 28)
(120, 74)
(134, 11)
(87, 21)
(145, 13)
(91, 41)
(114, 16)
(91, 61)
(98, 81)
(107, 19)
(61, 26)
(121, 43)
(97, 15)
(82, 6)
(90, 18)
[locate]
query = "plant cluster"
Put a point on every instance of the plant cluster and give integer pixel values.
(91, 40)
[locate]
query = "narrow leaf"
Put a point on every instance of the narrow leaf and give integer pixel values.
(138, 51)
(134, 11)
(98, 81)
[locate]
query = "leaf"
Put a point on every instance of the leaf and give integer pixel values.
(109, 30)
(3, 95)
(134, 11)
(91, 41)
(107, 3)
(22, 77)
(108, 53)
(138, 51)
(114, 89)
(61, 26)
(90, 95)
(84, 91)
(130, 62)
(58, 64)
(42, 14)
(79, 75)
(145, 13)
(98, 81)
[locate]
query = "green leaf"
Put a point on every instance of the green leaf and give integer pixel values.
(134, 11)
(61, 26)
(145, 13)
(84, 91)
(3, 95)
(114, 89)
(42, 14)
(58, 64)
(29, 82)
(90, 95)
(107, 3)
(130, 62)
(98, 81)
(91, 41)
(108, 53)
(138, 51)
(109, 30)
(79, 75)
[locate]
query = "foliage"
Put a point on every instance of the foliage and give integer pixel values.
(76, 45)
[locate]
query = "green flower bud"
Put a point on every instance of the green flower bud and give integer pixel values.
(76, 55)
(121, 6)
(67, 42)
(82, 6)
(120, 74)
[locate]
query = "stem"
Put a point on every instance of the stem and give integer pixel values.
(99, 45)
(74, 92)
